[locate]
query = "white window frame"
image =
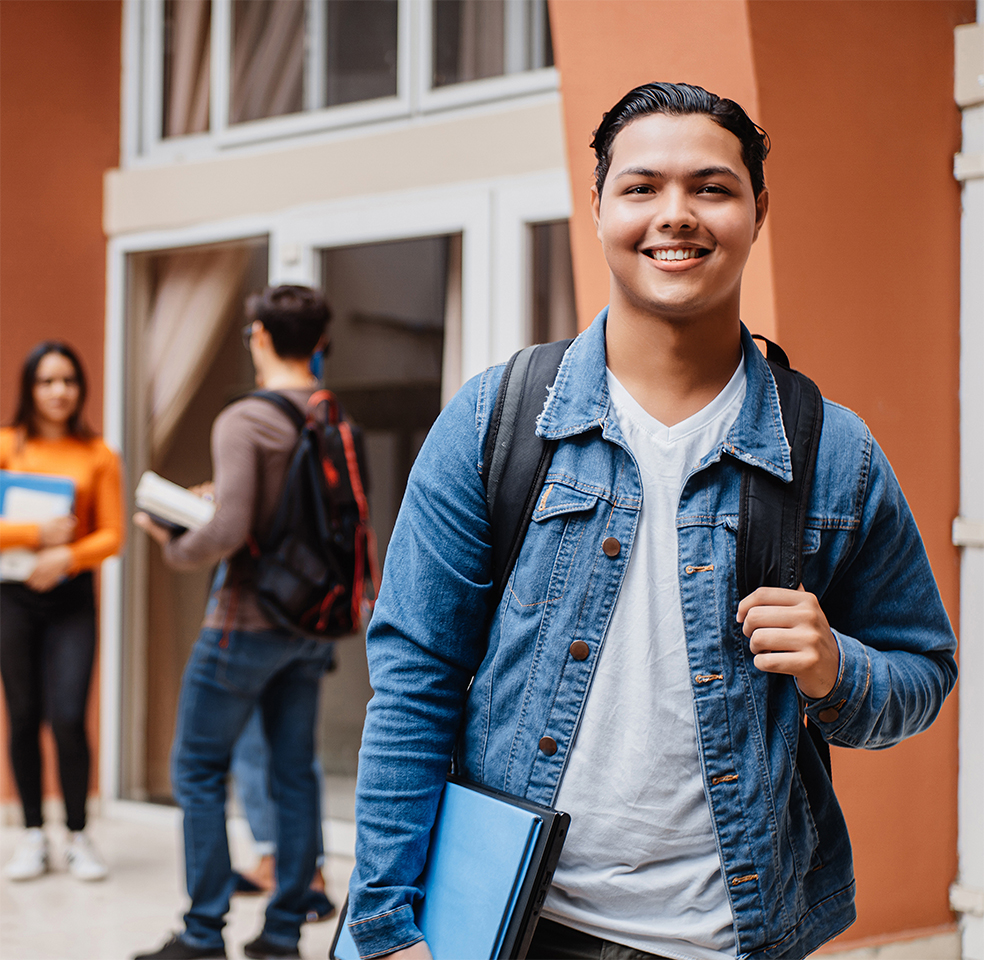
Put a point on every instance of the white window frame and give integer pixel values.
(472, 92)
(143, 78)
(493, 217)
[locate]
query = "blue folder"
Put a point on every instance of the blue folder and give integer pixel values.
(489, 865)
(56, 487)
(30, 498)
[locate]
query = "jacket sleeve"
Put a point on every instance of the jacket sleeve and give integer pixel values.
(897, 646)
(425, 641)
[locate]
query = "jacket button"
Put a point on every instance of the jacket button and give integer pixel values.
(611, 547)
(548, 745)
(829, 715)
(580, 650)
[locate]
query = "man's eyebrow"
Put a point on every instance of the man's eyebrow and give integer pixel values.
(640, 172)
(701, 174)
(715, 172)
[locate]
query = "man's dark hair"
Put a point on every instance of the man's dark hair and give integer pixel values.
(295, 317)
(26, 413)
(677, 100)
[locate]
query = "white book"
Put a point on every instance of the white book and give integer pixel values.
(172, 505)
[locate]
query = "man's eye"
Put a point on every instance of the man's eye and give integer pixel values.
(712, 188)
(640, 188)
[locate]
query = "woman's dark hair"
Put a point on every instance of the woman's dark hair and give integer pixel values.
(25, 416)
(677, 100)
(295, 317)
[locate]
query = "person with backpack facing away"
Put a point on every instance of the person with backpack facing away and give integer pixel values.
(243, 657)
(622, 677)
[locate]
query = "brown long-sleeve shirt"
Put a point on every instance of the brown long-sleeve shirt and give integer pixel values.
(251, 446)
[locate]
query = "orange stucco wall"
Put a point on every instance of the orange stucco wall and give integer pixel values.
(59, 130)
(861, 270)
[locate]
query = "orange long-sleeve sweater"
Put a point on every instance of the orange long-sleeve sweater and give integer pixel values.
(95, 469)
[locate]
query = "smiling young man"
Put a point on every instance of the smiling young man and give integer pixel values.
(622, 677)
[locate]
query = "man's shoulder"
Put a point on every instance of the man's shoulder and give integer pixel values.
(844, 421)
(250, 409)
(253, 421)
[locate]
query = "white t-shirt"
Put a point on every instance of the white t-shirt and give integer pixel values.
(640, 865)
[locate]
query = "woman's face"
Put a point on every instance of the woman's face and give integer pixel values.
(56, 390)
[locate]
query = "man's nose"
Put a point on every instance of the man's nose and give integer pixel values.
(676, 212)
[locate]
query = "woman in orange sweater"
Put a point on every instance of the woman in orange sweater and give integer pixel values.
(49, 620)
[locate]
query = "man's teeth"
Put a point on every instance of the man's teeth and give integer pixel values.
(689, 254)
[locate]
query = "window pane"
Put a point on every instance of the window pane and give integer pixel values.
(267, 59)
(475, 39)
(554, 315)
(187, 34)
(361, 50)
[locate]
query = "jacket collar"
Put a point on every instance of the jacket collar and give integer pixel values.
(579, 401)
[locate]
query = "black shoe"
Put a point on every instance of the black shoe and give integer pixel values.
(263, 949)
(245, 885)
(178, 949)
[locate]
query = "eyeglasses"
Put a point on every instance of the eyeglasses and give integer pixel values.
(247, 334)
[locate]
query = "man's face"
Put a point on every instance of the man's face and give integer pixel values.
(677, 217)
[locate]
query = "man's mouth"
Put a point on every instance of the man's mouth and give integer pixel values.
(688, 253)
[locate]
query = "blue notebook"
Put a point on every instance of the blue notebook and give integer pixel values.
(30, 498)
(35, 496)
(490, 863)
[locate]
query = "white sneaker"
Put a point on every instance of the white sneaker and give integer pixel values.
(30, 859)
(83, 861)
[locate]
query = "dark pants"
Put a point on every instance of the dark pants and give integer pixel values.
(47, 645)
(554, 941)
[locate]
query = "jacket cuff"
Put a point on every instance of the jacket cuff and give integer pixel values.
(385, 933)
(833, 711)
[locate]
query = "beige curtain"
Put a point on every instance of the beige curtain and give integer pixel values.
(196, 293)
(267, 59)
(481, 39)
(186, 107)
(561, 307)
(451, 365)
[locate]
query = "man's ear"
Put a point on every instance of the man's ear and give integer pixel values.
(596, 208)
(761, 210)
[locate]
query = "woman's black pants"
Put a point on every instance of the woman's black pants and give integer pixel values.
(47, 645)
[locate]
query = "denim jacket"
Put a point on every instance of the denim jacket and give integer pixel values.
(504, 691)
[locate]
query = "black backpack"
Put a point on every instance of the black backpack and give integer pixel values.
(771, 517)
(310, 574)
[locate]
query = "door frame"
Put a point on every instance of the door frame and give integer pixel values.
(492, 216)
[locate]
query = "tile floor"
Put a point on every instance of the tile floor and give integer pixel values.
(137, 907)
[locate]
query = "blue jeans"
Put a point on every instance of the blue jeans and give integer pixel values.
(223, 682)
(251, 771)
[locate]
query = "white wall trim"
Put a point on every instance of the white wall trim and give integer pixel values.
(967, 894)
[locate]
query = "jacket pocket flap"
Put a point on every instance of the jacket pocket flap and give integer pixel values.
(558, 498)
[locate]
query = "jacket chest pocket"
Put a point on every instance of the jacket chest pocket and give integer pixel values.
(553, 552)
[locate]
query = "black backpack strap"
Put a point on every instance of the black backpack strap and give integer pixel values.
(772, 514)
(280, 401)
(515, 459)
